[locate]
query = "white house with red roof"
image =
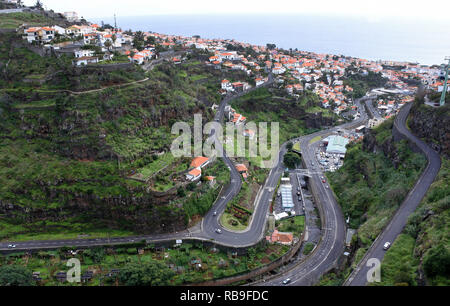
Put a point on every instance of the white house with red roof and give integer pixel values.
(229, 55)
(39, 34)
(226, 85)
(197, 164)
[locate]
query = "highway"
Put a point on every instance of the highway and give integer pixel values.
(207, 230)
(308, 272)
(372, 110)
(412, 201)
(331, 245)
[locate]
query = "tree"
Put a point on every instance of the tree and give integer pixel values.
(289, 146)
(15, 275)
(138, 40)
(150, 40)
(271, 46)
(151, 273)
(291, 160)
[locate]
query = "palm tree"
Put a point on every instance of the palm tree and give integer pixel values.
(38, 5)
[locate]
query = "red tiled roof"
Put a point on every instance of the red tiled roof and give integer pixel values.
(195, 172)
(199, 161)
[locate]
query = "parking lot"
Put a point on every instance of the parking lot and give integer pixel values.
(328, 162)
(296, 196)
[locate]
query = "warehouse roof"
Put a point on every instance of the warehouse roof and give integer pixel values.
(337, 144)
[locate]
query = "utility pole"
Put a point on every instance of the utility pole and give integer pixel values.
(444, 90)
(115, 23)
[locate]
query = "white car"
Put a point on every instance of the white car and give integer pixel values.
(218, 231)
(286, 281)
(215, 213)
(386, 246)
(12, 246)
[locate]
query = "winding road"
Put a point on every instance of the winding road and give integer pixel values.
(331, 245)
(412, 201)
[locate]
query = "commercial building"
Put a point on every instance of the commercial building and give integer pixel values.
(336, 144)
(287, 201)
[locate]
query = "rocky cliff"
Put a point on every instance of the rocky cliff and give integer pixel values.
(432, 125)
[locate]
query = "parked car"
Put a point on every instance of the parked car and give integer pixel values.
(386, 246)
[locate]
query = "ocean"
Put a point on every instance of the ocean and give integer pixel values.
(425, 42)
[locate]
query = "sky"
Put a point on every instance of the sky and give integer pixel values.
(373, 10)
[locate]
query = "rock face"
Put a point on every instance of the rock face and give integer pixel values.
(433, 125)
(145, 214)
(317, 121)
(388, 147)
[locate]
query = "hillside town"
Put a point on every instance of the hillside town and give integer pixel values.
(295, 71)
(91, 110)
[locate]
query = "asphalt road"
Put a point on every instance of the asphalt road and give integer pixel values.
(331, 246)
(373, 111)
(207, 229)
(308, 272)
(412, 201)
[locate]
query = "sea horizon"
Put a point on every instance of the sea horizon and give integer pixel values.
(389, 39)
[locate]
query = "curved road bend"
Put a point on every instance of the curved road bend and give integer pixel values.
(412, 201)
(331, 245)
(208, 226)
(307, 273)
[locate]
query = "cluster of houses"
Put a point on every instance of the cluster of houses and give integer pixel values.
(390, 107)
(234, 117)
(89, 34)
(296, 71)
(72, 39)
(227, 86)
(233, 61)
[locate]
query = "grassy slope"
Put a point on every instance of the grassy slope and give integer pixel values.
(214, 264)
(260, 106)
(423, 234)
(14, 20)
(32, 143)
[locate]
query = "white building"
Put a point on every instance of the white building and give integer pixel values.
(226, 85)
(71, 16)
(84, 53)
(84, 61)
